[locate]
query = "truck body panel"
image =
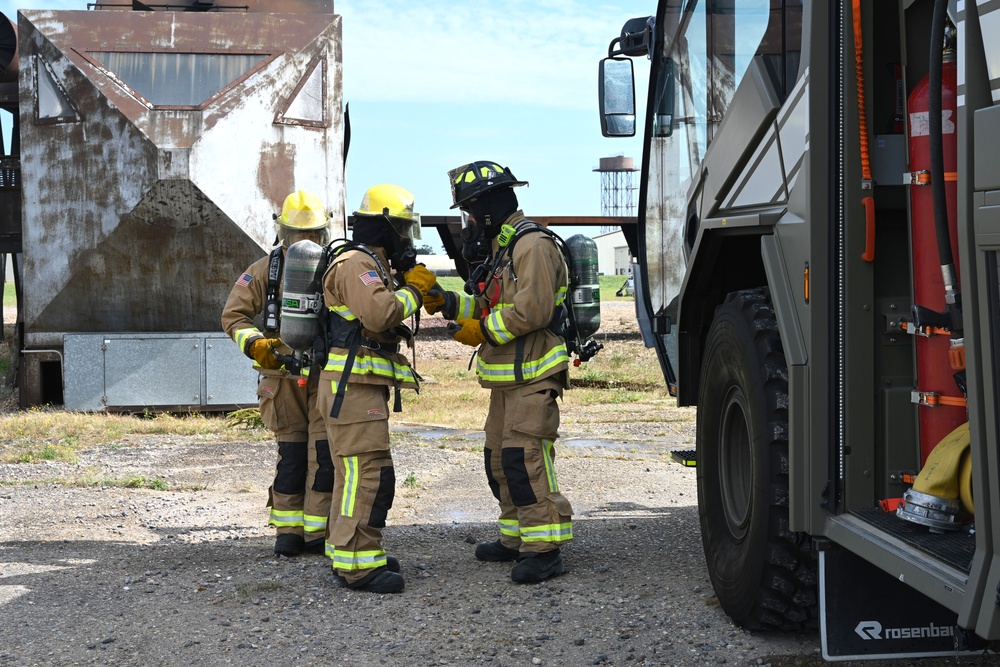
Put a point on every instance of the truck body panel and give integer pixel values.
(776, 236)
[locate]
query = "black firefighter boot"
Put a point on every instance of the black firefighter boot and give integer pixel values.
(535, 567)
(381, 580)
(288, 544)
(391, 563)
(495, 552)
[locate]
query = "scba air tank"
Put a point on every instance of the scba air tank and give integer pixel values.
(302, 294)
(586, 296)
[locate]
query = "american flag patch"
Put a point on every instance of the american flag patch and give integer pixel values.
(370, 278)
(244, 280)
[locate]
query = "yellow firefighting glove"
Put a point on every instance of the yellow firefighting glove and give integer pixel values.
(420, 278)
(434, 299)
(467, 332)
(262, 351)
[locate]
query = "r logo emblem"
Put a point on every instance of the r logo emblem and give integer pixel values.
(869, 630)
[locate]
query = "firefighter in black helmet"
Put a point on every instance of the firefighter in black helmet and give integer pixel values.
(521, 361)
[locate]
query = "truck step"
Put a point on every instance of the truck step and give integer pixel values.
(686, 457)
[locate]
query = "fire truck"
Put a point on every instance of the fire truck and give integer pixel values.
(817, 243)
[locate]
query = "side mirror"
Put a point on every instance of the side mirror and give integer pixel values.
(663, 117)
(616, 97)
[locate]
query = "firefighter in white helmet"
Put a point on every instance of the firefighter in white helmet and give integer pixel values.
(300, 494)
(371, 287)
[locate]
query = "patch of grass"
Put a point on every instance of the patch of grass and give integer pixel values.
(88, 480)
(43, 452)
(624, 372)
(610, 286)
(247, 591)
(9, 295)
(411, 481)
(627, 363)
(49, 434)
(247, 418)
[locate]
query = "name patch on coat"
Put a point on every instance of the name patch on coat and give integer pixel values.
(374, 414)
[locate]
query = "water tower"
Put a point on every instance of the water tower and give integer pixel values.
(617, 187)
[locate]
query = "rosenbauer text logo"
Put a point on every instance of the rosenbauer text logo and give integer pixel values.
(874, 630)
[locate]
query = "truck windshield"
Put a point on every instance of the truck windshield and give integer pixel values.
(711, 46)
(703, 50)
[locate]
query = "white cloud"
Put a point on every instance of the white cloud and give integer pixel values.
(9, 7)
(541, 53)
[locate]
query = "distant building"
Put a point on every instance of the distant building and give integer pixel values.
(613, 256)
(440, 265)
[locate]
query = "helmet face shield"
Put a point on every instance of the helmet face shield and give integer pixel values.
(393, 204)
(408, 228)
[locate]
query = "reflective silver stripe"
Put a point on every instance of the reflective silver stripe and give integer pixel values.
(553, 532)
(350, 495)
(509, 527)
(242, 335)
(548, 453)
(409, 302)
(285, 518)
(358, 560)
(530, 370)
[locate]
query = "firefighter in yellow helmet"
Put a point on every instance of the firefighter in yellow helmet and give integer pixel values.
(300, 494)
(521, 360)
(371, 287)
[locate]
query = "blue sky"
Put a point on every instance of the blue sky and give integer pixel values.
(434, 84)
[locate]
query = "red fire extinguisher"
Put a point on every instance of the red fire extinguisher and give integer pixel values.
(935, 379)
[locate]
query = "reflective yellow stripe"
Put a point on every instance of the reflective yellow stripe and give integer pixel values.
(314, 524)
(285, 518)
(371, 364)
(560, 295)
(344, 312)
(553, 532)
(243, 335)
(548, 453)
(466, 306)
(530, 370)
(509, 527)
(495, 325)
(410, 304)
(350, 486)
(358, 560)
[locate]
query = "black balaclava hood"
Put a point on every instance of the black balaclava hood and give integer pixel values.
(376, 231)
(489, 212)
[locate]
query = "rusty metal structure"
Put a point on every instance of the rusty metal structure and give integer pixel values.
(156, 142)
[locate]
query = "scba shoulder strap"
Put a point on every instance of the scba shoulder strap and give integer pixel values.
(564, 318)
(272, 305)
(347, 333)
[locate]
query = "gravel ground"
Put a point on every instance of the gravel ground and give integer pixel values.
(118, 576)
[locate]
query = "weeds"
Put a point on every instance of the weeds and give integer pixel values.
(247, 418)
(245, 592)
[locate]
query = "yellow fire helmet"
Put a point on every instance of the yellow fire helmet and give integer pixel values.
(393, 203)
(302, 212)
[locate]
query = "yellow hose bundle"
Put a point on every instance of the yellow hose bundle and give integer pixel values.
(948, 470)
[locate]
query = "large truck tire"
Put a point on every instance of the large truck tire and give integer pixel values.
(763, 574)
